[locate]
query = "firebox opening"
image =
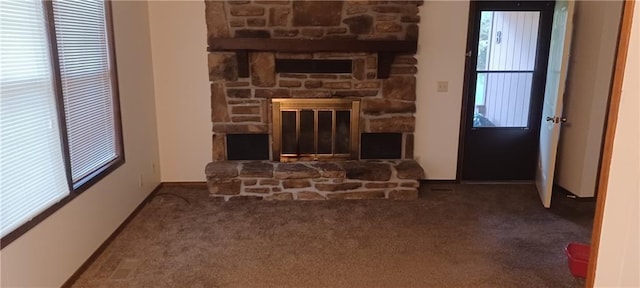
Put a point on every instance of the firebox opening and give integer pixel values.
(381, 146)
(315, 129)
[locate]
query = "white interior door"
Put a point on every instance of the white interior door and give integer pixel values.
(593, 51)
(554, 90)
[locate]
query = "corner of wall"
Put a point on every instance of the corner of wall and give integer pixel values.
(181, 88)
(441, 57)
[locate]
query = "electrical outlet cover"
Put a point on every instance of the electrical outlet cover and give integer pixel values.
(443, 86)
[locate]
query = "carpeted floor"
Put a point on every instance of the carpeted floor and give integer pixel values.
(454, 236)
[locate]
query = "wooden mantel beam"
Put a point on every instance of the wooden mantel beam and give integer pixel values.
(312, 45)
(386, 49)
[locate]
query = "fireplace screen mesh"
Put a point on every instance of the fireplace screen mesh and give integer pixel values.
(315, 129)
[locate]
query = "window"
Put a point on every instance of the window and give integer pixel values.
(59, 112)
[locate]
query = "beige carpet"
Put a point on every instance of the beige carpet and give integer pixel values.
(471, 236)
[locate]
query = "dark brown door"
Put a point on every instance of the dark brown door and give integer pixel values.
(505, 78)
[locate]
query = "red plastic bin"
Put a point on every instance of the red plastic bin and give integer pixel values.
(578, 255)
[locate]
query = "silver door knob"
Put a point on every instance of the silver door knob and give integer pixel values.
(563, 119)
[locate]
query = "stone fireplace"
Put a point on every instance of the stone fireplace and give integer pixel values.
(312, 80)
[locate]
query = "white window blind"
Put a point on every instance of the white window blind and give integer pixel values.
(85, 72)
(32, 171)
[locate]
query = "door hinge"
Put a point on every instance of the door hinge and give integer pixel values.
(469, 53)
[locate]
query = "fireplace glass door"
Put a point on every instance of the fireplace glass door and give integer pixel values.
(305, 132)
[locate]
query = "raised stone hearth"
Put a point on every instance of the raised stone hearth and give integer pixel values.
(257, 180)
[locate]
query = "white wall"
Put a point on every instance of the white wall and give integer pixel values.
(585, 102)
(179, 40)
(619, 251)
(51, 252)
(441, 57)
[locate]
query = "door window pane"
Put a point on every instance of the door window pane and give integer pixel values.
(506, 100)
(508, 40)
(506, 60)
(486, 23)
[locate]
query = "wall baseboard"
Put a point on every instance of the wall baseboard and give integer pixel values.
(103, 246)
(74, 277)
(432, 182)
(185, 184)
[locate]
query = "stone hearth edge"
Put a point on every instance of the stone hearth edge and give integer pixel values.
(364, 179)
